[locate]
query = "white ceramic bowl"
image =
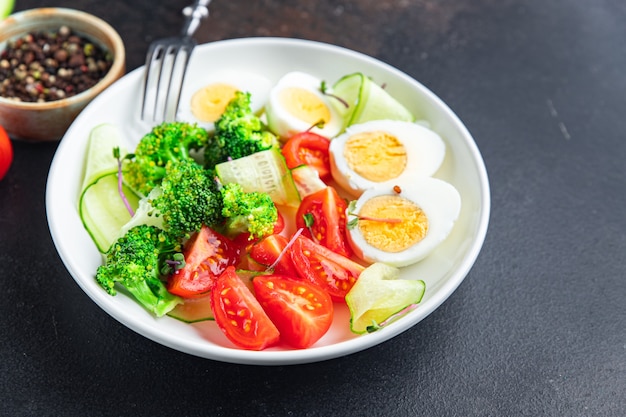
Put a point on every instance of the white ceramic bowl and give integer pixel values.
(48, 121)
(442, 271)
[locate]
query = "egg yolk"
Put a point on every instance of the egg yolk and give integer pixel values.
(392, 223)
(304, 105)
(376, 156)
(209, 102)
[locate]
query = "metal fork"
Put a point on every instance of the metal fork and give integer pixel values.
(166, 65)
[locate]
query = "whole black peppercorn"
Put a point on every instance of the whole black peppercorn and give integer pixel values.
(51, 65)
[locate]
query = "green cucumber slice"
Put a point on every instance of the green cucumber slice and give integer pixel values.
(307, 180)
(264, 171)
(193, 310)
(378, 294)
(99, 159)
(102, 210)
(368, 101)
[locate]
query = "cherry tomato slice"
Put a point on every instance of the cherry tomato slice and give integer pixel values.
(207, 254)
(239, 315)
(310, 149)
(301, 311)
(333, 272)
(328, 214)
(267, 251)
(6, 152)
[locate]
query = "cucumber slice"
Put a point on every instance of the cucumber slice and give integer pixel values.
(350, 89)
(264, 171)
(368, 101)
(103, 212)
(378, 294)
(193, 310)
(307, 180)
(99, 158)
(6, 7)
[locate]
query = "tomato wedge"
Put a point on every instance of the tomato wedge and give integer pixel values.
(310, 149)
(239, 315)
(207, 254)
(333, 272)
(301, 311)
(328, 214)
(269, 249)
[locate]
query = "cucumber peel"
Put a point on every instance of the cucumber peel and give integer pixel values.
(367, 101)
(264, 171)
(378, 295)
(102, 210)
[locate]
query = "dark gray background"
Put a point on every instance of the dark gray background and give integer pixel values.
(537, 328)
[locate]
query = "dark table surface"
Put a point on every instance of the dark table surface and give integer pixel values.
(538, 327)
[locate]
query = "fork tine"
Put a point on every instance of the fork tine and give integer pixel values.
(166, 65)
(154, 68)
(181, 55)
(168, 55)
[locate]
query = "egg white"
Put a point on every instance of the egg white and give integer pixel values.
(257, 85)
(425, 151)
(440, 202)
(283, 123)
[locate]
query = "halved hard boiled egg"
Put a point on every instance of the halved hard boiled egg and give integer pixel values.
(296, 103)
(205, 98)
(402, 224)
(383, 152)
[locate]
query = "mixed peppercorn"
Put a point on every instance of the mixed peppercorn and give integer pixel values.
(51, 65)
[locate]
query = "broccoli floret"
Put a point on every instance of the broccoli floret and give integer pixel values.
(238, 133)
(138, 261)
(252, 212)
(186, 199)
(167, 142)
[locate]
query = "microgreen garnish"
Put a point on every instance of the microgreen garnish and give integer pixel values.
(309, 221)
(170, 265)
(324, 90)
(319, 124)
(377, 326)
(120, 188)
(356, 217)
(284, 251)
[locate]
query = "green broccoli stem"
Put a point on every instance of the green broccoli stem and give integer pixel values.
(154, 297)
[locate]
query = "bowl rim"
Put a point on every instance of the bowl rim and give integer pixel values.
(118, 50)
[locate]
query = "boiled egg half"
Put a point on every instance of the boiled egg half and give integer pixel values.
(296, 103)
(205, 98)
(383, 152)
(402, 224)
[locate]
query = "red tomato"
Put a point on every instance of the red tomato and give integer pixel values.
(207, 254)
(239, 315)
(6, 152)
(310, 149)
(301, 311)
(328, 212)
(331, 271)
(267, 250)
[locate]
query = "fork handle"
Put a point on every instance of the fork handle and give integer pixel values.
(194, 15)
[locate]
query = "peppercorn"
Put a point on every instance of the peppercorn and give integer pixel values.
(51, 65)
